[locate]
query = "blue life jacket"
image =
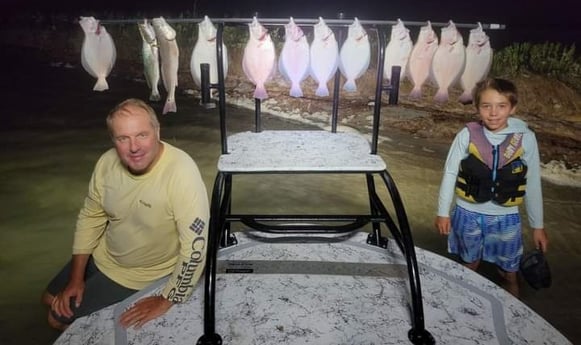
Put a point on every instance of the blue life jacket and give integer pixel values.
(492, 172)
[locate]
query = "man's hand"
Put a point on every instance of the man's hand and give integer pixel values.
(61, 303)
(443, 225)
(144, 310)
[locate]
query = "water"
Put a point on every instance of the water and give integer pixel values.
(53, 131)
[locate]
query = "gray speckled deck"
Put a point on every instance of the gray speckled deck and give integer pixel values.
(299, 151)
(331, 292)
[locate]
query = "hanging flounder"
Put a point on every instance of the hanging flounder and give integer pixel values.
(420, 62)
(448, 62)
(205, 52)
(354, 55)
(293, 63)
(398, 49)
(324, 56)
(98, 52)
(259, 59)
(478, 62)
(169, 52)
(150, 57)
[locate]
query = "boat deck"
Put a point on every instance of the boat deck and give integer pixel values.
(338, 290)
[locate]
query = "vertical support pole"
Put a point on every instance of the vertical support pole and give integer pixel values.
(374, 237)
(336, 83)
(210, 337)
(418, 333)
(257, 115)
(394, 85)
(205, 86)
(378, 88)
(221, 87)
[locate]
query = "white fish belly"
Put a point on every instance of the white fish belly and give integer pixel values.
(258, 63)
(89, 56)
(98, 57)
(324, 63)
(205, 52)
(294, 64)
(396, 54)
(420, 63)
(294, 61)
(354, 61)
(478, 62)
(448, 65)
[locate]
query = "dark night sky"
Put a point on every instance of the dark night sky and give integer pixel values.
(526, 20)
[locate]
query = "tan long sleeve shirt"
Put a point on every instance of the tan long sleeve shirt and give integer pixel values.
(142, 228)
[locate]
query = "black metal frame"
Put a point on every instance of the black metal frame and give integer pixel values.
(221, 202)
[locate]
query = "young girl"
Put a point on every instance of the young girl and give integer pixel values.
(492, 167)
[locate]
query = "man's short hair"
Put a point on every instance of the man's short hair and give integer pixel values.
(132, 102)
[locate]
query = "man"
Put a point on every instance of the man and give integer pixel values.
(145, 217)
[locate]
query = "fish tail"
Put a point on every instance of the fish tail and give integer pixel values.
(322, 90)
(170, 107)
(260, 92)
(101, 84)
(296, 91)
(465, 97)
(155, 96)
(416, 92)
(441, 96)
(350, 86)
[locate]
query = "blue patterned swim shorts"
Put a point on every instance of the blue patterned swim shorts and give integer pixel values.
(495, 239)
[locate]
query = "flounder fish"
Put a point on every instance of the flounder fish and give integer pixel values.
(398, 49)
(324, 57)
(293, 63)
(354, 56)
(259, 59)
(478, 62)
(420, 62)
(205, 52)
(98, 52)
(448, 62)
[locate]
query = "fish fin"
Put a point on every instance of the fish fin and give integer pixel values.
(260, 92)
(296, 91)
(441, 96)
(101, 84)
(416, 93)
(322, 90)
(465, 97)
(169, 107)
(350, 86)
(155, 96)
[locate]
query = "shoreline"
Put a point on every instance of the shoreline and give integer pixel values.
(435, 125)
(554, 171)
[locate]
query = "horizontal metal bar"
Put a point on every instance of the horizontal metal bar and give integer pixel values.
(304, 218)
(301, 224)
(308, 21)
(303, 228)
